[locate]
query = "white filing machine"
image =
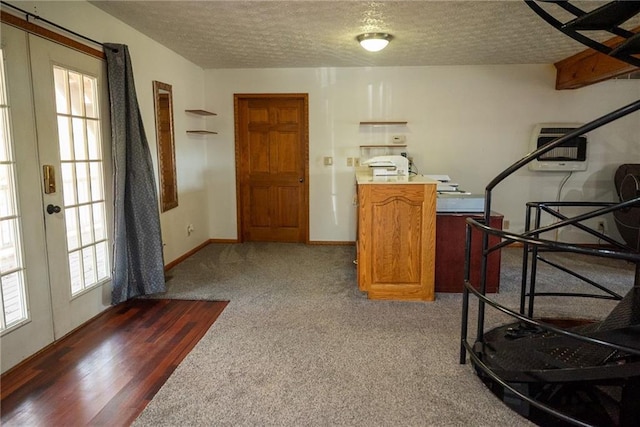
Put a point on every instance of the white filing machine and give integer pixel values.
(388, 165)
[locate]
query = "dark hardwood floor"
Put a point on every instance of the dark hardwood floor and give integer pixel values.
(107, 371)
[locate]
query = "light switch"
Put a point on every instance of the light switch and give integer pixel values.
(328, 160)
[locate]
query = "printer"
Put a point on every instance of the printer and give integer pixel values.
(450, 198)
(388, 165)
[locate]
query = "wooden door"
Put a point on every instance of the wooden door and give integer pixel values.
(272, 156)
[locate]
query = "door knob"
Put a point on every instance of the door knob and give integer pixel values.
(300, 179)
(51, 209)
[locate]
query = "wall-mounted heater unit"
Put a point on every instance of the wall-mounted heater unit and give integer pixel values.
(570, 156)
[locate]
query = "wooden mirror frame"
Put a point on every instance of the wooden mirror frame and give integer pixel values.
(163, 105)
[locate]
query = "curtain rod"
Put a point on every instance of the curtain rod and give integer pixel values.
(53, 24)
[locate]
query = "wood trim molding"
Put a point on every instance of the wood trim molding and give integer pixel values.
(224, 241)
(236, 143)
(181, 258)
(178, 260)
(331, 242)
(32, 28)
(590, 66)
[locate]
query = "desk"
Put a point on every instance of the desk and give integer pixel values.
(450, 252)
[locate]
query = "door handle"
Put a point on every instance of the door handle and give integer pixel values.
(300, 179)
(51, 209)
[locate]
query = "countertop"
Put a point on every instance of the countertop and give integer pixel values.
(365, 176)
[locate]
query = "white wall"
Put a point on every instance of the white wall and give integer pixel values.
(152, 61)
(470, 122)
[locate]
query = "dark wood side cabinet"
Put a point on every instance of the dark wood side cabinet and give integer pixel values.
(450, 252)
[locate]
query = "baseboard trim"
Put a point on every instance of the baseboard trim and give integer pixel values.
(332, 242)
(178, 260)
(181, 258)
(224, 241)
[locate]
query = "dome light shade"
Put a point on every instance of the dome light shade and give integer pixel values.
(374, 42)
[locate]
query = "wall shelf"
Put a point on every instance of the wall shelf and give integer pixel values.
(201, 113)
(383, 123)
(384, 146)
(201, 132)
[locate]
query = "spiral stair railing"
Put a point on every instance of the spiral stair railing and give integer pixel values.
(527, 366)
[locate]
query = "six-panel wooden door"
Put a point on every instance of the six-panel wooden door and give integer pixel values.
(272, 158)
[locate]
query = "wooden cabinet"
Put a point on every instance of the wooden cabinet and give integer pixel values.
(396, 240)
(450, 252)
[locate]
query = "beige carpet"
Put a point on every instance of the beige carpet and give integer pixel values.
(299, 345)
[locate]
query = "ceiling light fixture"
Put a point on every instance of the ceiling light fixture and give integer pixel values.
(373, 42)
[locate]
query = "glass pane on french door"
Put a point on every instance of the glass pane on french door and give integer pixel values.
(13, 309)
(81, 164)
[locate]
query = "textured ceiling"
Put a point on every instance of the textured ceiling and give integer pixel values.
(278, 34)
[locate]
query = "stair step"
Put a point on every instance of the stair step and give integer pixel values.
(605, 17)
(631, 46)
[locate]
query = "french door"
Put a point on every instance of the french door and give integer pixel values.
(56, 193)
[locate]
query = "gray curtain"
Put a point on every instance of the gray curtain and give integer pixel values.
(138, 266)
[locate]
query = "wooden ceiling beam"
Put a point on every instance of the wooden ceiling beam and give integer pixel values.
(590, 66)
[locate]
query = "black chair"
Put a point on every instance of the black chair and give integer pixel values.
(627, 182)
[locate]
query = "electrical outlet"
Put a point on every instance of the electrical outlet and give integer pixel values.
(505, 224)
(356, 161)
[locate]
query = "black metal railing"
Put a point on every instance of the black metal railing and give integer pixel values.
(608, 17)
(533, 246)
(579, 32)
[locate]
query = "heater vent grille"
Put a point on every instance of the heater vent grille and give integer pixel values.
(570, 156)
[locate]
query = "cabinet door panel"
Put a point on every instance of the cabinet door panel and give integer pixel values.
(398, 223)
(396, 241)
